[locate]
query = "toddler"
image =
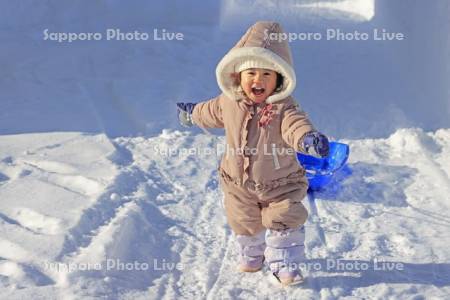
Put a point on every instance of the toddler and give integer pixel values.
(262, 181)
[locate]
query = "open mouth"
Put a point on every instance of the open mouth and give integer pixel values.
(257, 91)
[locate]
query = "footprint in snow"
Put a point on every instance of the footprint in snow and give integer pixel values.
(37, 222)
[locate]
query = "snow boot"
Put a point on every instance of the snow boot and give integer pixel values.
(284, 253)
(251, 252)
(287, 278)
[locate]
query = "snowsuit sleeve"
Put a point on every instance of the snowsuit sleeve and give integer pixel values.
(208, 114)
(294, 125)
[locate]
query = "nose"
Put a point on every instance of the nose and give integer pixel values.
(258, 78)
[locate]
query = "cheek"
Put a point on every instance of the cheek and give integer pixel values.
(272, 83)
(245, 84)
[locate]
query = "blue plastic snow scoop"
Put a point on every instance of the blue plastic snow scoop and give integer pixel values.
(319, 171)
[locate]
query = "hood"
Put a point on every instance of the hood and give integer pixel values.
(256, 46)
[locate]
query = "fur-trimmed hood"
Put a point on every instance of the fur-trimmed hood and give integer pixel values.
(255, 45)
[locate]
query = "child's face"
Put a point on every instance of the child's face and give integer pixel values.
(258, 84)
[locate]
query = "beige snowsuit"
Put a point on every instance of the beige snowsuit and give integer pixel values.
(262, 181)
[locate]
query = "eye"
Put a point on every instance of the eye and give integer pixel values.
(251, 72)
(267, 73)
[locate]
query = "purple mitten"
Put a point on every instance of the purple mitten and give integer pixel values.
(316, 144)
(185, 113)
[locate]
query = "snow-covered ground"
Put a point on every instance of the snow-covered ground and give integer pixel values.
(132, 218)
(103, 196)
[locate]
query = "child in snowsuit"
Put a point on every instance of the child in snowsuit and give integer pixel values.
(263, 183)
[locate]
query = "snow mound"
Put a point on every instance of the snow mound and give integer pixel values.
(349, 10)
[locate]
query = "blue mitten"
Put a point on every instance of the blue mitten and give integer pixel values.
(316, 144)
(185, 113)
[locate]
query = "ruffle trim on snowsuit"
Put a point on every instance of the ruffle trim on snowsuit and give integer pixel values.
(261, 187)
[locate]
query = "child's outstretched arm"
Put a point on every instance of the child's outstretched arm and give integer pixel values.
(208, 114)
(298, 131)
(294, 125)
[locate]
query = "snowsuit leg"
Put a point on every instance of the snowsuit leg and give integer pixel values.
(285, 250)
(285, 210)
(285, 238)
(283, 215)
(251, 251)
(248, 213)
(244, 217)
(242, 209)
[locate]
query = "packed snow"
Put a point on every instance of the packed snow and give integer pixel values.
(104, 195)
(140, 220)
